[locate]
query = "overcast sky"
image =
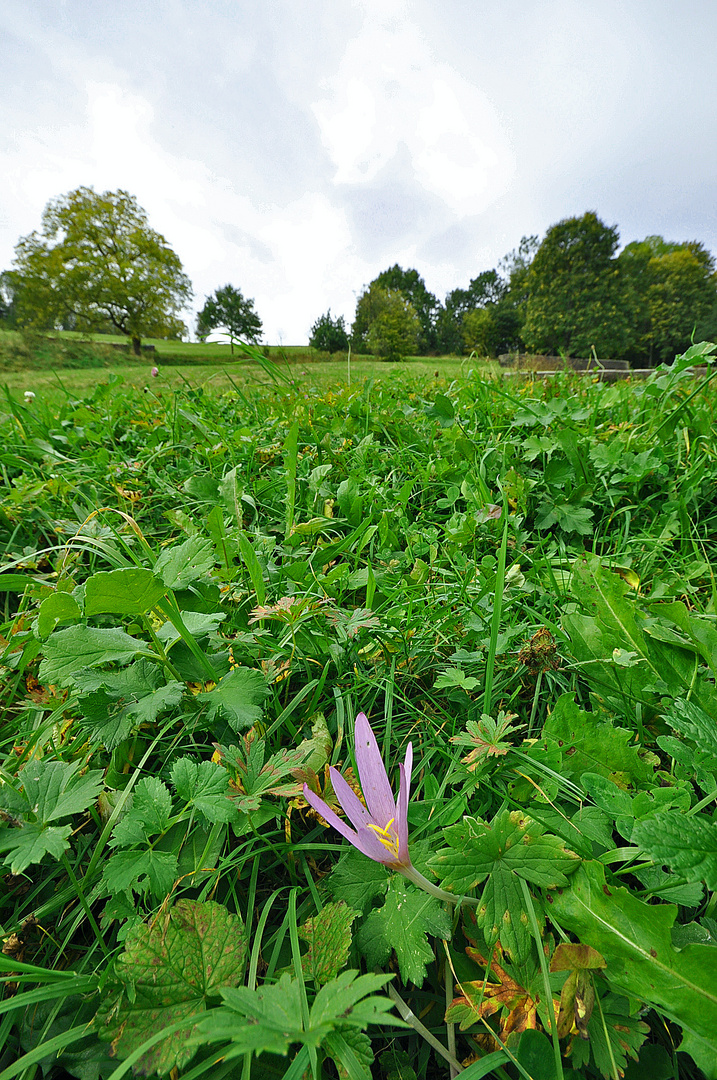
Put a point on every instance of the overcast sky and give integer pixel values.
(296, 148)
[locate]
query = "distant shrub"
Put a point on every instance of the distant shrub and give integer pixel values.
(329, 335)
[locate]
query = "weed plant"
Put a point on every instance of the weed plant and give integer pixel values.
(201, 592)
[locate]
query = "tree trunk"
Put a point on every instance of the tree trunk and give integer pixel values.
(135, 346)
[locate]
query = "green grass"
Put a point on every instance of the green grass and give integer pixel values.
(203, 584)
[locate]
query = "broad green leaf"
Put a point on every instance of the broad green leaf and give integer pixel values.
(328, 936)
(358, 880)
(351, 1053)
(503, 916)
(182, 564)
(149, 814)
(56, 608)
(168, 971)
(132, 591)
(237, 698)
(589, 744)
(626, 1034)
(31, 842)
(68, 651)
(197, 623)
(54, 789)
(134, 697)
(535, 1054)
(206, 786)
(141, 871)
(615, 621)
(697, 629)
(687, 845)
(693, 723)
(350, 500)
(270, 1017)
(634, 937)
(512, 841)
(402, 925)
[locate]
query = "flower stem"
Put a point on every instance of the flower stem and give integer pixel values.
(418, 879)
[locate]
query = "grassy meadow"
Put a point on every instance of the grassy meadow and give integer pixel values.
(206, 576)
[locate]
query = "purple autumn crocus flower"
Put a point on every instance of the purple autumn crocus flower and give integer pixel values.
(380, 829)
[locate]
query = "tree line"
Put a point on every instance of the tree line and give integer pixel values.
(96, 265)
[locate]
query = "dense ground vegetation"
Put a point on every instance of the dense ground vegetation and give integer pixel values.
(200, 594)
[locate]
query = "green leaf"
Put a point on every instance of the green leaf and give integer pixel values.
(634, 937)
(351, 1053)
(503, 916)
(687, 845)
(358, 881)
(402, 924)
(150, 813)
(626, 1034)
(512, 841)
(615, 621)
(535, 1054)
(270, 1017)
(206, 786)
(56, 608)
(441, 410)
(141, 871)
(168, 972)
(53, 789)
(328, 935)
(237, 698)
(30, 843)
(184, 563)
(67, 651)
(132, 591)
(591, 745)
(121, 701)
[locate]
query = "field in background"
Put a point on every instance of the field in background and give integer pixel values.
(203, 584)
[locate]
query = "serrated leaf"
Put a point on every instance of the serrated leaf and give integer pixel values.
(626, 1034)
(237, 698)
(503, 916)
(197, 623)
(402, 925)
(687, 845)
(270, 1017)
(351, 1053)
(184, 563)
(172, 968)
(634, 937)
(151, 810)
(206, 786)
(512, 841)
(358, 880)
(141, 871)
(328, 935)
(31, 842)
(591, 745)
(130, 591)
(111, 714)
(54, 789)
(68, 651)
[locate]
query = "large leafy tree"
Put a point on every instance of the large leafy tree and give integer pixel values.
(577, 297)
(675, 293)
(96, 264)
(412, 286)
(228, 308)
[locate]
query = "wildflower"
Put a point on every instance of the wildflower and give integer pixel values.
(381, 826)
(155, 372)
(29, 396)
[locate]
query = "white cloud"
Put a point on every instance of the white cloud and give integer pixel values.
(390, 91)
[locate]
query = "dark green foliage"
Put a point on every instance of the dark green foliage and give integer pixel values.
(228, 308)
(329, 335)
(577, 298)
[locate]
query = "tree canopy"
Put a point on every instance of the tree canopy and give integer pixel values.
(329, 335)
(96, 265)
(227, 307)
(393, 325)
(576, 295)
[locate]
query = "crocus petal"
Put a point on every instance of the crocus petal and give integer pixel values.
(327, 813)
(370, 845)
(404, 792)
(372, 774)
(350, 803)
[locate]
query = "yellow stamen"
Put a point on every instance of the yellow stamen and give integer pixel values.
(387, 837)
